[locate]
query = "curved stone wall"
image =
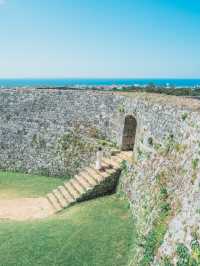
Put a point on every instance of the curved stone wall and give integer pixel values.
(34, 125)
(51, 131)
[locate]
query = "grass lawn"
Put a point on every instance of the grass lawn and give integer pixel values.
(94, 233)
(15, 185)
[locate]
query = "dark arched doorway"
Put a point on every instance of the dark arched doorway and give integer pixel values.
(129, 133)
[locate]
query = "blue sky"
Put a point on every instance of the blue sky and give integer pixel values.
(107, 38)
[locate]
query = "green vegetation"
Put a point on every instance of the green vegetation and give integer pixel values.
(72, 148)
(94, 133)
(98, 232)
(167, 262)
(195, 163)
(150, 141)
(106, 143)
(141, 154)
(15, 185)
(185, 257)
(73, 143)
(121, 108)
(38, 142)
(155, 237)
(151, 88)
(184, 116)
(169, 145)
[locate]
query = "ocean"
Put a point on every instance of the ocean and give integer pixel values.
(98, 82)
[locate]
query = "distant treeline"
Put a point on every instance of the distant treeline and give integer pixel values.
(162, 90)
(192, 92)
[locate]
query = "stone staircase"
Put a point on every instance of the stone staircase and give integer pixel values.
(89, 183)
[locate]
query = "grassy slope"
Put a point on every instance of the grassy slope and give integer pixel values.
(98, 232)
(15, 185)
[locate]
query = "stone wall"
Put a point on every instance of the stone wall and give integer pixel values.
(163, 182)
(52, 132)
(56, 132)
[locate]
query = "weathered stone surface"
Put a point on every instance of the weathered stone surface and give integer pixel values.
(51, 132)
(55, 132)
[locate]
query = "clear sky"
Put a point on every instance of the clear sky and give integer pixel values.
(100, 38)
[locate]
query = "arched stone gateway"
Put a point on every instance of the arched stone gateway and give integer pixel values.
(129, 132)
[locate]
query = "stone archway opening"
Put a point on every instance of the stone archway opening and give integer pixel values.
(129, 133)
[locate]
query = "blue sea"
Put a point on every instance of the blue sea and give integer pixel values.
(4, 83)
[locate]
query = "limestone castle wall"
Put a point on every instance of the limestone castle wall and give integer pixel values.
(51, 132)
(57, 132)
(37, 128)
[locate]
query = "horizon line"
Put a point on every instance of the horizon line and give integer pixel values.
(100, 78)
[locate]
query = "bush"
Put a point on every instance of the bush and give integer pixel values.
(150, 141)
(163, 193)
(195, 163)
(184, 116)
(165, 207)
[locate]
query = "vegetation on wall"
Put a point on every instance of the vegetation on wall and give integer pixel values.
(38, 142)
(153, 204)
(77, 148)
(73, 149)
(185, 256)
(154, 238)
(121, 108)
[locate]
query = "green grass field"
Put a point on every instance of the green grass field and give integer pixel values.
(94, 233)
(99, 232)
(15, 185)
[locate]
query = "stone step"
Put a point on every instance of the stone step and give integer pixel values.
(126, 155)
(114, 161)
(103, 174)
(54, 202)
(115, 152)
(121, 156)
(66, 194)
(75, 195)
(83, 182)
(74, 188)
(88, 179)
(95, 175)
(107, 172)
(121, 159)
(63, 202)
(80, 189)
(110, 164)
(117, 159)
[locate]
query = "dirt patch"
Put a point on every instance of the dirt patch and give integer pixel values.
(25, 209)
